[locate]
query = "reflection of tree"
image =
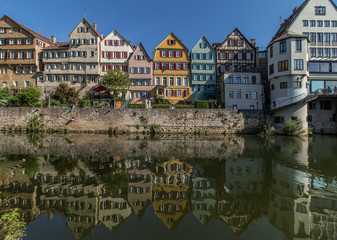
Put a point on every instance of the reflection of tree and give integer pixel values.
(115, 181)
(34, 139)
(31, 165)
(63, 164)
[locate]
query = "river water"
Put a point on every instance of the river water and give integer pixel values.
(171, 187)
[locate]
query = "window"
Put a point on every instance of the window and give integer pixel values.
(248, 56)
(271, 52)
(319, 52)
(3, 55)
(326, 23)
(334, 23)
(28, 41)
(239, 55)
(178, 54)
(271, 69)
(327, 37)
(238, 94)
(283, 85)
(185, 66)
(272, 87)
(306, 34)
(312, 23)
(235, 106)
(185, 81)
(298, 84)
(320, 37)
(327, 52)
(231, 94)
(278, 119)
(163, 53)
(171, 81)
(238, 79)
(334, 52)
(253, 79)
(11, 41)
(171, 66)
(283, 47)
(319, 23)
(164, 80)
(2, 41)
(231, 55)
(334, 37)
(283, 66)
(11, 30)
(157, 81)
(2, 30)
(231, 43)
(319, 10)
(247, 95)
(170, 53)
(298, 45)
(251, 107)
(305, 23)
(27, 83)
(230, 79)
(312, 37)
(254, 95)
(245, 79)
(169, 93)
(298, 64)
(326, 104)
(313, 52)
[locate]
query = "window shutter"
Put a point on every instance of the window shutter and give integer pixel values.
(244, 56)
(103, 54)
(103, 68)
(174, 53)
(174, 66)
(21, 70)
(161, 66)
(106, 42)
(110, 66)
(119, 67)
(174, 42)
(117, 43)
(123, 43)
(28, 70)
(182, 66)
(111, 54)
(167, 54)
(154, 65)
(168, 41)
(161, 53)
(126, 54)
(119, 55)
(126, 68)
(166, 93)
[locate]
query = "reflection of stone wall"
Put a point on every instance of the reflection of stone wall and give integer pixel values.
(136, 120)
(124, 146)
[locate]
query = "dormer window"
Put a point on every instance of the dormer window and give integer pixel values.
(171, 42)
(320, 10)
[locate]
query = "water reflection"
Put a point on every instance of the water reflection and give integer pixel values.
(235, 180)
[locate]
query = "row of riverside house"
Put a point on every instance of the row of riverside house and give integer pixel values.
(226, 72)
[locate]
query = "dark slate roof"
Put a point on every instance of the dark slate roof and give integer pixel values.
(58, 46)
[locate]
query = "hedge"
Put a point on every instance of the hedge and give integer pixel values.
(161, 106)
(184, 106)
(135, 105)
(201, 104)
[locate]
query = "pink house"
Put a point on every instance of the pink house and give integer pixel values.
(141, 75)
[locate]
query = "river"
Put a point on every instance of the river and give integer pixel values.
(171, 186)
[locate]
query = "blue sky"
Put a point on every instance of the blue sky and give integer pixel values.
(150, 21)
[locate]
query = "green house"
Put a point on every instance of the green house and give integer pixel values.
(203, 71)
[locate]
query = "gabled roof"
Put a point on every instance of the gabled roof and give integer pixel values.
(120, 36)
(203, 37)
(216, 45)
(287, 34)
(142, 49)
(35, 34)
(175, 37)
(287, 22)
(86, 21)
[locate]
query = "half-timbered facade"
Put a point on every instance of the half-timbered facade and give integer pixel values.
(141, 76)
(115, 52)
(171, 70)
(239, 81)
(203, 71)
(20, 48)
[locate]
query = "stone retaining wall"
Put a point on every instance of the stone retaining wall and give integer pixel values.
(200, 121)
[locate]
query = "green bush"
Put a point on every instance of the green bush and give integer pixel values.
(135, 105)
(202, 104)
(29, 97)
(184, 106)
(293, 127)
(266, 129)
(35, 124)
(166, 106)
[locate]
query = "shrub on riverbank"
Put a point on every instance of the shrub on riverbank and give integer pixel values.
(202, 104)
(293, 127)
(184, 106)
(166, 106)
(136, 105)
(266, 129)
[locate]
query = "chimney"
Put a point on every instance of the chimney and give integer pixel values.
(53, 40)
(95, 26)
(253, 41)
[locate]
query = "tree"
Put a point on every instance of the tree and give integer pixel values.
(66, 95)
(4, 97)
(29, 97)
(117, 82)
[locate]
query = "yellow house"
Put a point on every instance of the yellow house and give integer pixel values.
(172, 71)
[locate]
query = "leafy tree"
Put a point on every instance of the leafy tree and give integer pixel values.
(31, 165)
(293, 127)
(63, 164)
(29, 97)
(4, 97)
(66, 95)
(115, 180)
(117, 82)
(11, 226)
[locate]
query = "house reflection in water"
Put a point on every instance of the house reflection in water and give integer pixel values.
(242, 195)
(171, 191)
(140, 185)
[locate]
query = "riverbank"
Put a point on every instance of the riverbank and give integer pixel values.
(115, 121)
